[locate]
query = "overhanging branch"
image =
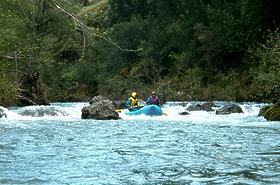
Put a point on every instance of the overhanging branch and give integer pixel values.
(78, 23)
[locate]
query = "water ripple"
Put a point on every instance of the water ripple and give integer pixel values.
(147, 152)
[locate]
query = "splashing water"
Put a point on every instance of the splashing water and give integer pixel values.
(52, 145)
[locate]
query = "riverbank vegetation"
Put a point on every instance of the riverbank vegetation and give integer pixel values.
(185, 50)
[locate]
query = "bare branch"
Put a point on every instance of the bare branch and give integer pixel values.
(78, 23)
(17, 71)
(22, 98)
(8, 56)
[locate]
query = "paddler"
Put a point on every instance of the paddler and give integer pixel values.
(133, 101)
(152, 99)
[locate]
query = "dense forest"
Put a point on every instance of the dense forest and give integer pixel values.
(72, 50)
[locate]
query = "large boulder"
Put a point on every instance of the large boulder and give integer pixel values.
(100, 108)
(229, 109)
(263, 110)
(201, 107)
(2, 113)
(273, 113)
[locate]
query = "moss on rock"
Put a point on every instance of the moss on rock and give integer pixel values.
(273, 113)
(263, 110)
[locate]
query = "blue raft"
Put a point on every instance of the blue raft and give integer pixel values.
(148, 110)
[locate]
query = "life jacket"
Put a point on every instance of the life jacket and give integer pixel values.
(133, 102)
(153, 101)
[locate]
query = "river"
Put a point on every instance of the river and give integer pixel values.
(54, 146)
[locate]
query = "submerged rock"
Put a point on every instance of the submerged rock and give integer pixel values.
(184, 113)
(42, 111)
(100, 108)
(202, 107)
(273, 113)
(229, 109)
(2, 113)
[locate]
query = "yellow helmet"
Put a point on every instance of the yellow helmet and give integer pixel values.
(134, 94)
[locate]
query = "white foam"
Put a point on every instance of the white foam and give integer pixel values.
(72, 111)
(172, 110)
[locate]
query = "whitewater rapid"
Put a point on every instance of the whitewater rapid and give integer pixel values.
(53, 145)
(72, 111)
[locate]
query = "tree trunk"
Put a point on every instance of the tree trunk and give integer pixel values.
(31, 91)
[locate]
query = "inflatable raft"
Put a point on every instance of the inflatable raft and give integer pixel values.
(148, 110)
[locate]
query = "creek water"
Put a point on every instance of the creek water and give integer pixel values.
(52, 145)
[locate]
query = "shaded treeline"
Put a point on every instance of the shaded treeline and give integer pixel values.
(183, 49)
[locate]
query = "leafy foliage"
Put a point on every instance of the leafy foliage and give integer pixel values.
(206, 49)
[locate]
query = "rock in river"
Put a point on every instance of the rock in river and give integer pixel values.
(273, 113)
(100, 108)
(229, 109)
(2, 113)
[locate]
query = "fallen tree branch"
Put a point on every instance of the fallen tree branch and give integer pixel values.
(20, 98)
